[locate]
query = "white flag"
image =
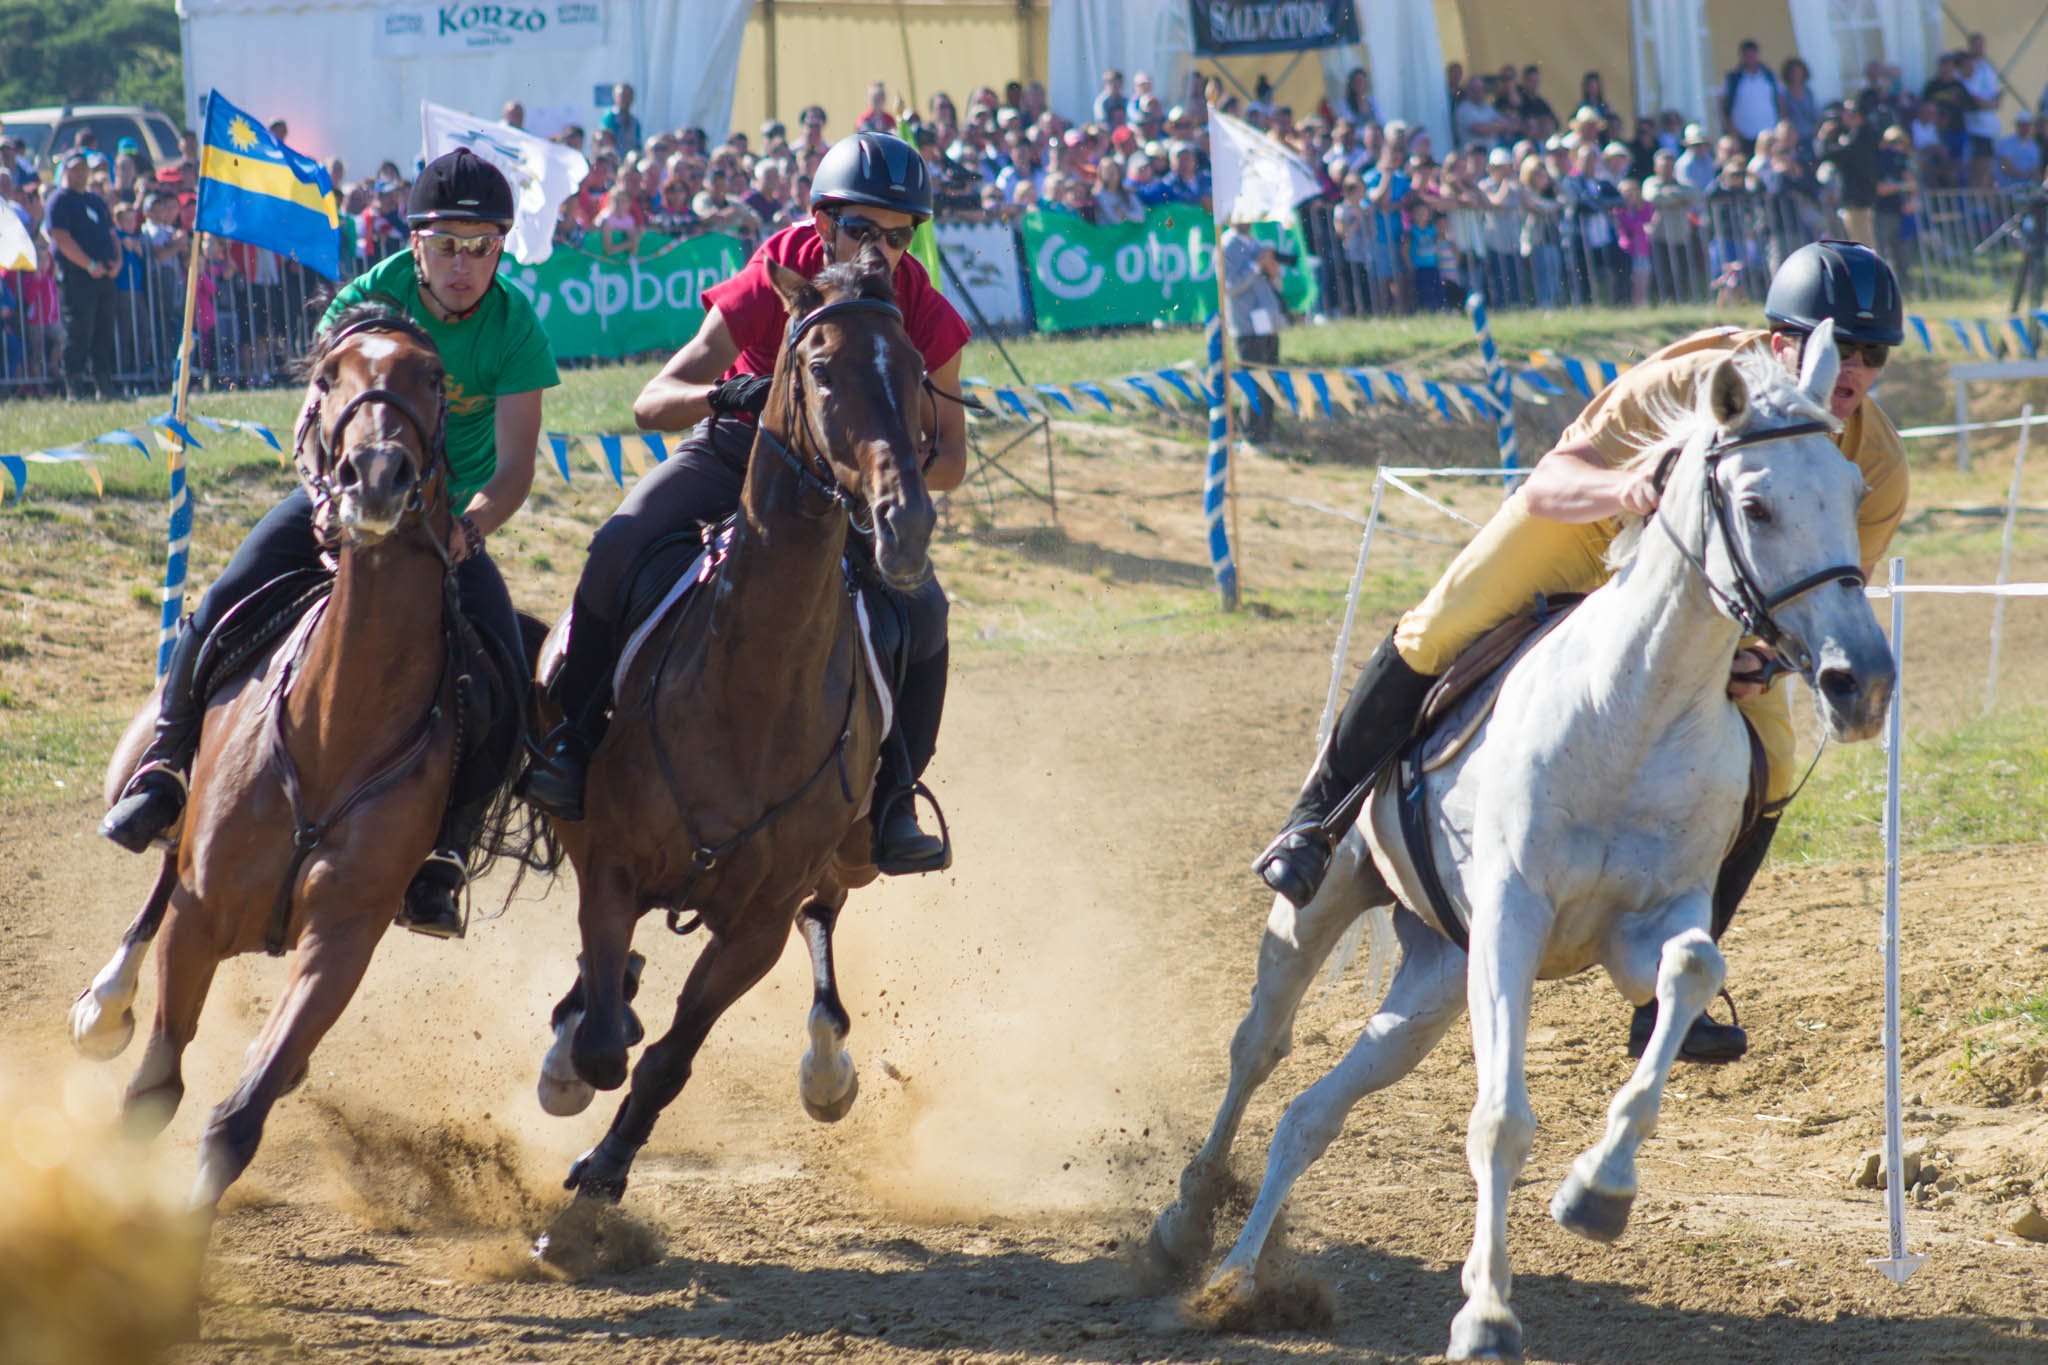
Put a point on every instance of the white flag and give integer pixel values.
(1255, 176)
(543, 174)
(17, 248)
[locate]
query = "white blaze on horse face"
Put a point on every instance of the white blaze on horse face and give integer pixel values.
(374, 346)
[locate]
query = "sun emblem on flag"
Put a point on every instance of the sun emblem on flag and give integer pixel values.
(241, 134)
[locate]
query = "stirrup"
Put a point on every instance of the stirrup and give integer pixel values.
(1280, 865)
(136, 790)
(438, 927)
(901, 867)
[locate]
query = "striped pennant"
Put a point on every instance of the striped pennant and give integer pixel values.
(655, 446)
(1319, 384)
(1057, 394)
(1091, 389)
(1362, 379)
(1919, 326)
(559, 444)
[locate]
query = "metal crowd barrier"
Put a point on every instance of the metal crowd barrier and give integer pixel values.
(1947, 245)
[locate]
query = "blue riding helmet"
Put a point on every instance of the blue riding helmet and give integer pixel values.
(1846, 281)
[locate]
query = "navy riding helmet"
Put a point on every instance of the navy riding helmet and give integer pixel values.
(1846, 281)
(876, 169)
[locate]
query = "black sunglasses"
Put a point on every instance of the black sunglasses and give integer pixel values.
(866, 230)
(1873, 355)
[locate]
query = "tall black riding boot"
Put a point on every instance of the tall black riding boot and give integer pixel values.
(901, 846)
(433, 903)
(155, 796)
(555, 779)
(1707, 1040)
(1377, 719)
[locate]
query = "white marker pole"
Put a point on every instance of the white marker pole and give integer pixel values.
(2012, 510)
(1899, 1266)
(1339, 656)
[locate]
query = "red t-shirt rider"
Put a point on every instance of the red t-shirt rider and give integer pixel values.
(870, 188)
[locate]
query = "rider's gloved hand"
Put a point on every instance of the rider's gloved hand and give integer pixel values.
(746, 393)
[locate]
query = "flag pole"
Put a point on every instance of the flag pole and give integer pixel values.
(1229, 422)
(178, 536)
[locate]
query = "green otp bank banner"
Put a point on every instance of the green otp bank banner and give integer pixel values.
(1160, 270)
(608, 306)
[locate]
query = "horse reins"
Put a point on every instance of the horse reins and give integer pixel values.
(1748, 603)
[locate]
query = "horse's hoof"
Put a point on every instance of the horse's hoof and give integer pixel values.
(1177, 1245)
(590, 1183)
(1594, 1215)
(604, 1070)
(1479, 1338)
(564, 1098)
(93, 1034)
(1225, 1303)
(836, 1109)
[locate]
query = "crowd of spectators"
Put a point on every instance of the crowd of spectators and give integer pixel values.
(1536, 206)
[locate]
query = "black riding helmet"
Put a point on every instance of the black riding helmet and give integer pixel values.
(1846, 281)
(460, 187)
(877, 169)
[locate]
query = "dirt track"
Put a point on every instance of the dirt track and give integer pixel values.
(1041, 1038)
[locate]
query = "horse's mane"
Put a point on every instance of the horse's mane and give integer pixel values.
(380, 309)
(864, 277)
(1775, 400)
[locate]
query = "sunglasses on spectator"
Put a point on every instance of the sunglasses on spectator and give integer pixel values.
(866, 230)
(447, 245)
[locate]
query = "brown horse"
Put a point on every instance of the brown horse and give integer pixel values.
(309, 809)
(733, 782)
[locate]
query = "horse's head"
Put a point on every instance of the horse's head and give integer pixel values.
(371, 444)
(847, 394)
(1777, 529)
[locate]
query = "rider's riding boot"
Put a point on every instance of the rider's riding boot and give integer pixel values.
(901, 846)
(554, 780)
(155, 796)
(433, 903)
(1706, 1040)
(1377, 719)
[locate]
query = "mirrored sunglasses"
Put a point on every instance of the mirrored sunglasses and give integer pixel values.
(868, 230)
(447, 245)
(1873, 355)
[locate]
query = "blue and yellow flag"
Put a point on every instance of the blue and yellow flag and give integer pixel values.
(254, 189)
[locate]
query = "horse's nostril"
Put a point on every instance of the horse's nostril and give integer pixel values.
(345, 474)
(1838, 685)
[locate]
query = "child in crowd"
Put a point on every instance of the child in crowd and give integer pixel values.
(618, 225)
(1632, 233)
(1424, 244)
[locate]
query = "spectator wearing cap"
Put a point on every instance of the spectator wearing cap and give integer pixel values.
(1500, 194)
(2017, 156)
(1615, 162)
(1749, 94)
(1143, 180)
(80, 229)
(1896, 187)
(1696, 163)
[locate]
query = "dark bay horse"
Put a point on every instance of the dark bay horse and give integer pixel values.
(323, 771)
(733, 782)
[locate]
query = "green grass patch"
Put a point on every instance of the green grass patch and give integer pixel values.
(1983, 781)
(50, 754)
(2033, 1009)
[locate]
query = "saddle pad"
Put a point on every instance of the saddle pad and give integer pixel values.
(251, 625)
(549, 663)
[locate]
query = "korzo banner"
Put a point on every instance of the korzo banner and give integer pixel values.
(1225, 27)
(1160, 270)
(610, 306)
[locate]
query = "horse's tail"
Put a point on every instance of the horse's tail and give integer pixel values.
(512, 828)
(1375, 930)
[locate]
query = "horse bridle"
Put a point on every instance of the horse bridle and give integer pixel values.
(1748, 603)
(813, 470)
(433, 441)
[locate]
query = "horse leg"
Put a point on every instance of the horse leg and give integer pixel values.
(1294, 946)
(562, 1091)
(325, 972)
(825, 1076)
(727, 969)
(103, 1015)
(1507, 944)
(604, 915)
(184, 974)
(1426, 997)
(1595, 1198)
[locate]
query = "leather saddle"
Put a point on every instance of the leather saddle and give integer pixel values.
(1401, 842)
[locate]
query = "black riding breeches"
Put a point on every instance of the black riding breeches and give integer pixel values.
(284, 541)
(700, 483)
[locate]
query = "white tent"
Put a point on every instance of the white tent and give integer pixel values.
(349, 76)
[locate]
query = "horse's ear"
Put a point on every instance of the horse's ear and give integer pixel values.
(1727, 394)
(797, 294)
(1820, 364)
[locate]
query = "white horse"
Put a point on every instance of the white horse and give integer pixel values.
(1580, 825)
